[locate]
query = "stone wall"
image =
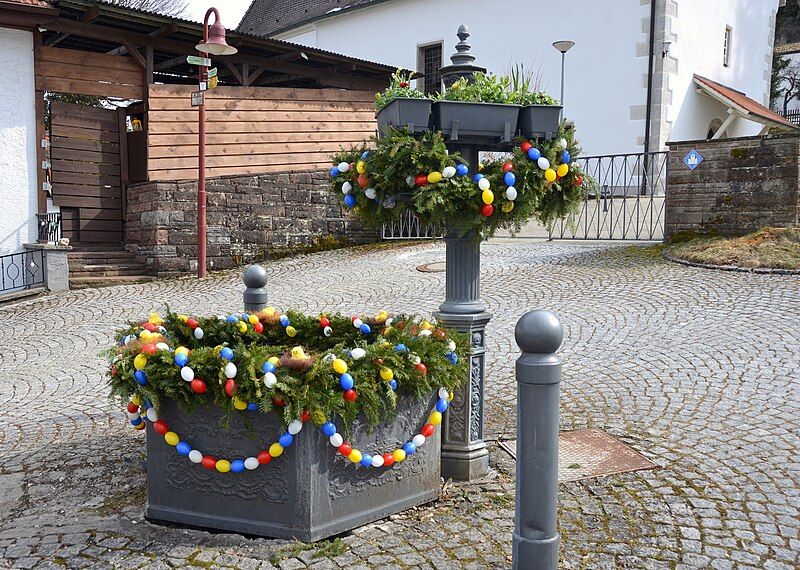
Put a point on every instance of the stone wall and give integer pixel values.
(741, 185)
(248, 217)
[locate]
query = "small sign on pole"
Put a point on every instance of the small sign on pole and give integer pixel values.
(197, 60)
(197, 98)
(212, 72)
(212, 82)
(692, 159)
(203, 86)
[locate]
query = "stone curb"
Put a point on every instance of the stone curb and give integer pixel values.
(758, 270)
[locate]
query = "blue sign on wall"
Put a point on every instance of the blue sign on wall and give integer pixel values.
(693, 159)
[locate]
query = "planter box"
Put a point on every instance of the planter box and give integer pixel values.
(539, 121)
(405, 113)
(489, 120)
(308, 493)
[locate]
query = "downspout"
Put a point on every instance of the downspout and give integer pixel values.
(649, 110)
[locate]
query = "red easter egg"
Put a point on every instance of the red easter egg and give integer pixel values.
(324, 322)
(507, 167)
(150, 326)
(350, 395)
(258, 327)
(487, 210)
(113, 370)
(161, 427)
(421, 368)
(345, 449)
(192, 323)
(525, 146)
(305, 416)
(198, 386)
(264, 457)
(209, 462)
(379, 361)
(579, 180)
(280, 402)
(230, 386)
(132, 408)
(427, 430)
(363, 180)
(388, 459)
(149, 349)
(421, 179)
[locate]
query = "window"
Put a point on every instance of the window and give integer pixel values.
(726, 48)
(430, 62)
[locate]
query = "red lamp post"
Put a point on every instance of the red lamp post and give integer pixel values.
(213, 44)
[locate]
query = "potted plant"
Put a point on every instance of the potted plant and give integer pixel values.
(287, 425)
(540, 113)
(400, 106)
(481, 107)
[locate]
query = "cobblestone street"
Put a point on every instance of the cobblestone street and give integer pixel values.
(697, 370)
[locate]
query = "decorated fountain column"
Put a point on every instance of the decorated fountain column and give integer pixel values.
(464, 453)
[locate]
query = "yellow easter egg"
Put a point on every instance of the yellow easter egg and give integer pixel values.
(361, 168)
(507, 207)
(562, 170)
(253, 319)
(145, 335)
(339, 366)
(136, 400)
(434, 177)
(181, 350)
(171, 438)
(435, 418)
(239, 404)
(291, 331)
(480, 167)
(550, 175)
(223, 466)
(355, 456)
(140, 426)
(275, 449)
(399, 455)
(450, 396)
(242, 326)
(139, 361)
(487, 196)
(269, 311)
(155, 319)
(183, 318)
(387, 374)
(274, 360)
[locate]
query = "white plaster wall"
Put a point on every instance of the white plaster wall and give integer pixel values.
(18, 204)
(604, 91)
(698, 35)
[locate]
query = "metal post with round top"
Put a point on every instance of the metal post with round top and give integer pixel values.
(255, 293)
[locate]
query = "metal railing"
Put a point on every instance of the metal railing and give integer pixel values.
(793, 116)
(49, 226)
(624, 199)
(410, 228)
(21, 271)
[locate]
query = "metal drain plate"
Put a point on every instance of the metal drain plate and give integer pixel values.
(435, 267)
(587, 453)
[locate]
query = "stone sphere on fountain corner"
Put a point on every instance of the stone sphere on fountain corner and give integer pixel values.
(255, 277)
(539, 332)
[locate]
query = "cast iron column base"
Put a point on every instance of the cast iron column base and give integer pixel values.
(464, 453)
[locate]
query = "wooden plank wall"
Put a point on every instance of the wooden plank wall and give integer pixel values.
(253, 130)
(87, 73)
(85, 158)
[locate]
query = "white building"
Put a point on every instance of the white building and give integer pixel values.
(607, 71)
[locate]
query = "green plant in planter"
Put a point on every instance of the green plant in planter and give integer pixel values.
(399, 87)
(485, 88)
(524, 89)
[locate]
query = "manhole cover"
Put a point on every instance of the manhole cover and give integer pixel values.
(587, 453)
(436, 267)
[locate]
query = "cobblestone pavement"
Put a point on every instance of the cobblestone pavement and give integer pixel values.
(696, 369)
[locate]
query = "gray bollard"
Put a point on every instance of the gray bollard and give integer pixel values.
(538, 334)
(255, 294)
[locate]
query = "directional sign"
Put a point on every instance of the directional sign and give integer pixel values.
(203, 86)
(692, 159)
(197, 60)
(197, 98)
(212, 72)
(212, 82)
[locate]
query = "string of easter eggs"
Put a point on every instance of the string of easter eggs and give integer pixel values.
(387, 459)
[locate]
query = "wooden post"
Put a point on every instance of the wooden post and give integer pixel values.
(124, 178)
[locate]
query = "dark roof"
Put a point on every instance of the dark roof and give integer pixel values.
(269, 17)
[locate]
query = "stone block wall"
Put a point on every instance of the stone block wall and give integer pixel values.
(248, 218)
(741, 186)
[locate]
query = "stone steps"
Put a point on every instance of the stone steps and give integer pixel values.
(104, 266)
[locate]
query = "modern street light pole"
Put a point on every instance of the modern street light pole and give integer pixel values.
(563, 46)
(213, 44)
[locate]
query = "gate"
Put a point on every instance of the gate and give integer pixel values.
(87, 158)
(624, 198)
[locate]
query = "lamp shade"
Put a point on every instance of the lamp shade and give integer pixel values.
(216, 44)
(563, 45)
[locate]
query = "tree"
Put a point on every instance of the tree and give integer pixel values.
(779, 65)
(790, 84)
(173, 8)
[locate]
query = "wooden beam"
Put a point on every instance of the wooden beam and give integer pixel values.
(134, 52)
(123, 158)
(148, 66)
(283, 77)
(56, 39)
(234, 71)
(91, 14)
(251, 77)
(169, 63)
(165, 31)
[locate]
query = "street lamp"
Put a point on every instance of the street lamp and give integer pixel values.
(563, 46)
(213, 44)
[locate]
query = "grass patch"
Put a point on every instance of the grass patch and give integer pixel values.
(771, 248)
(116, 503)
(322, 549)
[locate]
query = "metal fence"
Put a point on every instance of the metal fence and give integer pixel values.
(49, 226)
(410, 228)
(793, 115)
(624, 199)
(21, 271)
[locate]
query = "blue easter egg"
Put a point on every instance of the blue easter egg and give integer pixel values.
(285, 321)
(183, 448)
(534, 154)
(364, 155)
(267, 367)
(477, 177)
(328, 428)
(365, 328)
(441, 405)
(232, 319)
(349, 200)
(136, 421)
(409, 447)
(366, 460)
(393, 384)
(181, 359)
(565, 157)
(453, 357)
(400, 348)
(252, 407)
(146, 406)
(509, 178)
(335, 172)
(462, 169)
(346, 381)
(286, 439)
(226, 353)
(237, 466)
(140, 377)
